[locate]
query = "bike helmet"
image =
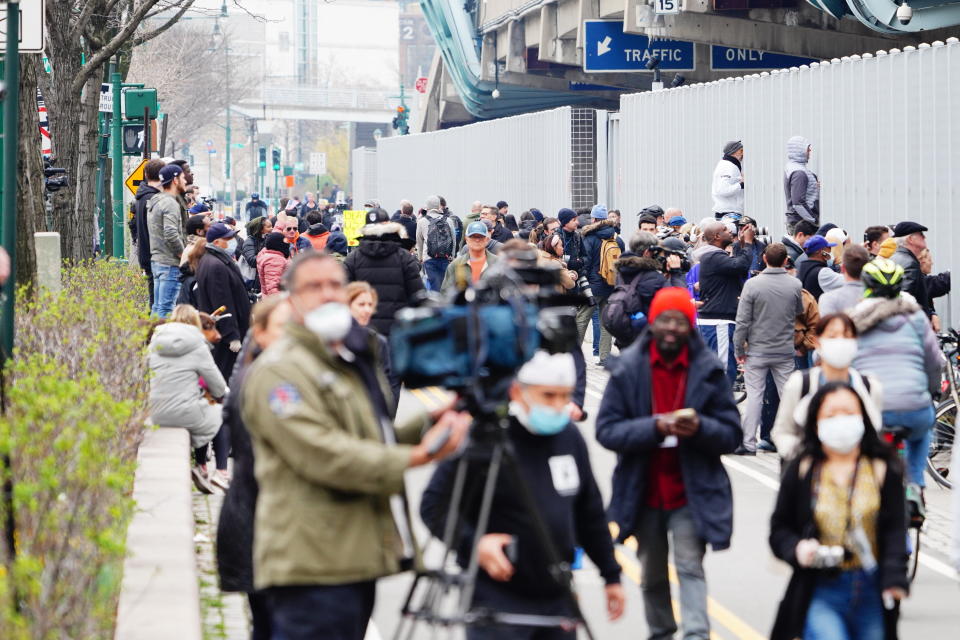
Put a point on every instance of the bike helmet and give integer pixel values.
(882, 278)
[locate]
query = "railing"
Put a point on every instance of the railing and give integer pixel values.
(324, 98)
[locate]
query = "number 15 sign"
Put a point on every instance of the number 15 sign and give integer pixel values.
(666, 7)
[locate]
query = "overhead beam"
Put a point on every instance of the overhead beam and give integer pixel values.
(516, 47)
(323, 114)
(553, 48)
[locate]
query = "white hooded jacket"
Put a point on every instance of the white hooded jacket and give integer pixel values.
(727, 189)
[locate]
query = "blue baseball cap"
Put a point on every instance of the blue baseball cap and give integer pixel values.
(677, 221)
(599, 212)
(219, 230)
(817, 243)
(200, 207)
(476, 229)
(169, 173)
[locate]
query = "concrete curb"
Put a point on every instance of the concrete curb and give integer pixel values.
(160, 597)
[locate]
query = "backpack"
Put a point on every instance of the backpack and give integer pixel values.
(609, 254)
(440, 242)
(458, 227)
(625, 302)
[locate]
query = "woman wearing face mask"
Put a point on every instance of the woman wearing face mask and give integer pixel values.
(551, 456)
(840, 522)
(836, 344)
(362, 299)
(235, 527)
(272, 262)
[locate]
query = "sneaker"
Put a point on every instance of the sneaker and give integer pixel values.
(219, 479)
(597, 361)
(766, 445)
(743, 451)
(200, 480)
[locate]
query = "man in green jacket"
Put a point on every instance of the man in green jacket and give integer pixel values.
(331, 516)
(467, 269)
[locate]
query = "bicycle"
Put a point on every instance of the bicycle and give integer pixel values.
(945, 423)
(739, 386)
(916, 513)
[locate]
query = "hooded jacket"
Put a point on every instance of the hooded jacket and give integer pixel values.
(318, 236)
(800, 184)
(897, 346)
(593, 237)
(178, 357)
(727, 188)
(626, 425)
(167, 224)
(141, 229)
(390, 269)
(271, 265)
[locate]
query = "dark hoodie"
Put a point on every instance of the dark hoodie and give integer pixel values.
(641, 276)
(140, 230)
(337, 244)
(391, 270)
(593, 237)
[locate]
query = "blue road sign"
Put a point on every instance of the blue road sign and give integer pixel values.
(734, 59)
(608, 48)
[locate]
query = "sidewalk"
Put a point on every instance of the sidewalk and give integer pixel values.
(226, 616)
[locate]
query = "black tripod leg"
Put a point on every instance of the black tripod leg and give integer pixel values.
(483, 519)
(561, 571)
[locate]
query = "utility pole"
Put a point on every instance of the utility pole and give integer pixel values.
(116, 150)
(229, 185)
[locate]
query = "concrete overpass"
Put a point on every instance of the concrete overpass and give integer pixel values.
(308, 103)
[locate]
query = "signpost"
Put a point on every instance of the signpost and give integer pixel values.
(734, 59)
(31, 28)
(318, 163)
(106, 98)
(136, 177)
(421, 85)
(609, 49)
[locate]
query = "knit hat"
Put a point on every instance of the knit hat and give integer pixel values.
(551, 370)
(565, 216)
(433, 203)
(887, 248)
(732, 147)
(673, 299)
(599, 212)
(537, 215)
(275, 242)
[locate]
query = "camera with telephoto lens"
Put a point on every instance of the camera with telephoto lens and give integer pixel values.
(763, 233)
(483, 335)
(828, 557)
(660, 253)
(583, 283)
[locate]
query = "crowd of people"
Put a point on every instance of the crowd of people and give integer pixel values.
(274, 350)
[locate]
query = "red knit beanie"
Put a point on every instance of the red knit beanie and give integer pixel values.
(675, 299)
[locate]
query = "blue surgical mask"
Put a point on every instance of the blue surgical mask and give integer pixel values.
(540, 420)
(231, 246)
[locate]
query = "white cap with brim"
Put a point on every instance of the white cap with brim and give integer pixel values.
(549, 370)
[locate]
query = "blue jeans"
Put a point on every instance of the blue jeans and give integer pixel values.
(596, 330)
(335, 612)
(435, 268)
(166, 287)
(920, 424)
(845, 607)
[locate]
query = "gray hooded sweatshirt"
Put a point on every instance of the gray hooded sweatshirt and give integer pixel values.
(178, 357)
(800, 184)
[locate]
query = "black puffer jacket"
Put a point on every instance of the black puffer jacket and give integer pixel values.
(390, 269)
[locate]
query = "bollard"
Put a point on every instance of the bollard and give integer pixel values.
(48, 260)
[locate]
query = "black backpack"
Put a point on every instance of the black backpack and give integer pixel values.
(624, 302)
(440, 242)
(458, 226)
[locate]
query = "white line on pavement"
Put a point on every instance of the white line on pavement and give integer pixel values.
(929, 562)
(372, 633)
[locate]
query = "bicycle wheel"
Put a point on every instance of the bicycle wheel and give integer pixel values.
(913, 551)
(739, 388)
(941, 444)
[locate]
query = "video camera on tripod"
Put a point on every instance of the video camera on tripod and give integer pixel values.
(475, 344)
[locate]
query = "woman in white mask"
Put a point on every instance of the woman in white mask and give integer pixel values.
(836, 341)
(840, 522)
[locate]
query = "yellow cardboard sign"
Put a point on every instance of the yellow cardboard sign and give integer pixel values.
(134, 179)
(353, 222)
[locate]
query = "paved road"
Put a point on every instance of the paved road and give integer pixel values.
(745, 582)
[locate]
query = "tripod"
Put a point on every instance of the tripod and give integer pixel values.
(489, 443)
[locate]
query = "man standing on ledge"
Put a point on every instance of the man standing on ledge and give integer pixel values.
(728, 181)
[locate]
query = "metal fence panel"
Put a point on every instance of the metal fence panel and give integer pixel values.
(524, 160)
(886, 143)
(364, 168)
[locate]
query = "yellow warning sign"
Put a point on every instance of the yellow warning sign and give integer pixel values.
(353, 222)
(134, 179)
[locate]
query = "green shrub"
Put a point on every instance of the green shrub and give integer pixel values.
(76, 403)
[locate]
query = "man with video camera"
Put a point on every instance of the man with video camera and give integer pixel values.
(330, 516)
(515, 573)
(641, 272)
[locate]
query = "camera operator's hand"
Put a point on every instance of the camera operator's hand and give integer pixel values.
(748, 234)
(443, 438)
(806, 552)
(673, 262)
(491, 557)
(616, 600)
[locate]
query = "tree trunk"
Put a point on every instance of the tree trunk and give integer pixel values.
(85, 211)
(30, 174)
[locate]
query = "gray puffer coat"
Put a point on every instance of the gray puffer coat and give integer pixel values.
(179, 356)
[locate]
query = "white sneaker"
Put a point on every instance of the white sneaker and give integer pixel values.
(200, 480)
(219, 479)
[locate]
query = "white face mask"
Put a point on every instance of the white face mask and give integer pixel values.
(841, 433)
(331, 322)
(838, 352)
(231, 246)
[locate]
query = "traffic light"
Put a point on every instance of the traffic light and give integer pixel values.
(400, 121)
(263, 157)
(276, 159)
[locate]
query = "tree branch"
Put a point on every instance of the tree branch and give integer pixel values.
(150, 35)
(80, 26)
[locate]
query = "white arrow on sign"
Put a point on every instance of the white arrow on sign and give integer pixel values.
(604, 46)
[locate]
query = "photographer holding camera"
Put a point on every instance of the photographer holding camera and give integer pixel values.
(641, 272)
(552, 458)
(840, 523)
